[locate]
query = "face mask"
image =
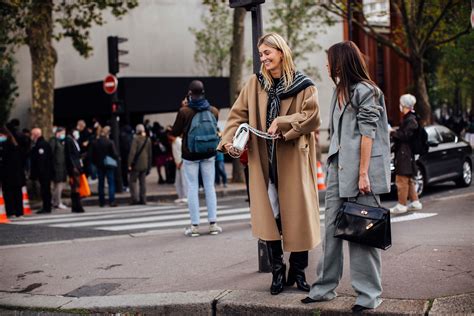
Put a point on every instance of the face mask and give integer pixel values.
(76, 135)
(61, 137)
(3, 139)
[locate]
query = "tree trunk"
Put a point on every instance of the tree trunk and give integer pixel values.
(422, 106)
(43, 61)
(235, 81)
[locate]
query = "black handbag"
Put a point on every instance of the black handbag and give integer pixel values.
(363, 224)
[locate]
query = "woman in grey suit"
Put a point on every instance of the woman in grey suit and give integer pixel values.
(358, 162)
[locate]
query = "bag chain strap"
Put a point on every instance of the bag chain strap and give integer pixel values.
(258, 133)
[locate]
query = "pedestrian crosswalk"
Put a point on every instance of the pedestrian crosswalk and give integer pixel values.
(135, 218)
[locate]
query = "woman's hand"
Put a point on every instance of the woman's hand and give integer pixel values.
(273, 129)
(364, 183)
(231, 150)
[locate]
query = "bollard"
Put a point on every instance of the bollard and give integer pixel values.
(264, 265)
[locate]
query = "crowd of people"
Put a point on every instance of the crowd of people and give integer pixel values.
(88, 152)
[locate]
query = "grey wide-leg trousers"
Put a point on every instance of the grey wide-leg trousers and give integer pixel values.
(365, 262)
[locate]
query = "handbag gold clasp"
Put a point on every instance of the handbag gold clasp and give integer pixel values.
(364, 212)
(369, 226)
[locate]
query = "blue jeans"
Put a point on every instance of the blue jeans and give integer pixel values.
(191, 173)
(220, 172)
(110, 174)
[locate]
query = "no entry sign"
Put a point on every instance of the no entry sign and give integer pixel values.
(110, 84)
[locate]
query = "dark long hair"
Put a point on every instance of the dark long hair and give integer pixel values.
(347, 66)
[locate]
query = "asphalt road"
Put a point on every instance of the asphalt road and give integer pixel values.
(432, 251)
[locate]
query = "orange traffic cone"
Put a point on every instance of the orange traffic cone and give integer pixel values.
(26, 202)
(3, 215)
(321, 184)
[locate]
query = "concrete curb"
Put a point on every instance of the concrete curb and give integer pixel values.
(221, 302)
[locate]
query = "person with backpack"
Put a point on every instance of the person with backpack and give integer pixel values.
(139, 164)
(197, 123)
(407, 138)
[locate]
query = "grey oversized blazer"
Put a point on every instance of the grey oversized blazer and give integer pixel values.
(365, 115)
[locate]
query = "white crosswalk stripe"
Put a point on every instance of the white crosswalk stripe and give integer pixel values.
(133, 218)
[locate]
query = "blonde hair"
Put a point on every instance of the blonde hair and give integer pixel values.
(277, 42)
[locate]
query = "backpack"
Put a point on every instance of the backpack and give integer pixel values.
(202, 135)
(420, 146)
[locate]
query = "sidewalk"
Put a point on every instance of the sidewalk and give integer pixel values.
(127, 274)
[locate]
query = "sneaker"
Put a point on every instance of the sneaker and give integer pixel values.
(62, 207)
(192, 231)
(415, 206)
(398, 209)
(214, 229)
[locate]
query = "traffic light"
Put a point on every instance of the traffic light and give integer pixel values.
(118, 107)
(244, 3)
(114, 53)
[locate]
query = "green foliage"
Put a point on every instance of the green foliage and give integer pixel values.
(454, 71)
(72, 19)
(299, 22)
(214, 40)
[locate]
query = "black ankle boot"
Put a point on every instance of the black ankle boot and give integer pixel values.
(278, 279)
(297, 276)
(275, 254)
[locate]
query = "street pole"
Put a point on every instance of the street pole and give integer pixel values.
(115, 138)
(254, 7)
(257, 31)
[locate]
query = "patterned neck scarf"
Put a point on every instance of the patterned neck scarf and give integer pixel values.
(275, 95)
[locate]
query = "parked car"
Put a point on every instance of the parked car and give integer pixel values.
(449, 159)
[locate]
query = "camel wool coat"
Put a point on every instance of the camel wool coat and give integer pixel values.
(296, 165)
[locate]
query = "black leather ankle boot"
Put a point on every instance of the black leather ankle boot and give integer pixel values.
(275, 253)
(278, 279)
(297, 276)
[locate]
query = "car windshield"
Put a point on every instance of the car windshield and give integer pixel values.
(433, 136)
(447, 136)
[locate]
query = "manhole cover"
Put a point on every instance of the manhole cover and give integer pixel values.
(104, 287)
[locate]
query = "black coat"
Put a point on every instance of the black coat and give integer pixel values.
(73, 157)
(59, 159)
(41, 159)
(12, 172)
(100, 148)
(404, 158)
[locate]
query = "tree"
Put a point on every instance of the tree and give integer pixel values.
(299, 22)
(8, 87)
(36, 22)
(424, 25)
(455, 75)
(214, 40)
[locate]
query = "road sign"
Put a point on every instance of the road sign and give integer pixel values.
(110, 84)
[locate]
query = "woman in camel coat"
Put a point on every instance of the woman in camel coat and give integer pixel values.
(280, 100)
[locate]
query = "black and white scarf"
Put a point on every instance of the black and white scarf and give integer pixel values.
(278, 93)
(275, 95)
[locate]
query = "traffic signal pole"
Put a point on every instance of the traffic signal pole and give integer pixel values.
(115, 104)
(257, 29)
